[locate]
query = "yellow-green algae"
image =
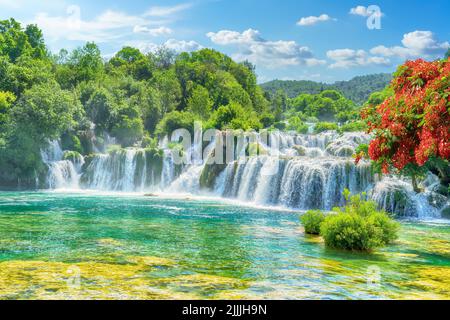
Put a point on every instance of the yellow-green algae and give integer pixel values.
(92, 280)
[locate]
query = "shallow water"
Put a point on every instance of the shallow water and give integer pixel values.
(87, 246)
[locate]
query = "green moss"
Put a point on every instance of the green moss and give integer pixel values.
(72, 156)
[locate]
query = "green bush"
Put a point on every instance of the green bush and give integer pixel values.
(312, 220)
(173, 121)
(358, 226)
(355, 126)
(325, 126)
(71, 142)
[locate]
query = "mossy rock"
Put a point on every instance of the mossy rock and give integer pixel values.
(72, 156)
(437, 200)
(210, 174)
(255, 148)
(446, 212)
(301, 151)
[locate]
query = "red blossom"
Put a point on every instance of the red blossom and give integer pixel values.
(413, 125)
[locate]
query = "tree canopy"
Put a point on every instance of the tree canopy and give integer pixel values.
(412, 125)
(133, 96)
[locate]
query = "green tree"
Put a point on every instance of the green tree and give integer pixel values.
(100, 107)
(36, 40)
(199, 103)
(6, 100)
(170, 90)
(13, 40)
(173, 121)
(134, 63)
(45, 111)
(86, 63)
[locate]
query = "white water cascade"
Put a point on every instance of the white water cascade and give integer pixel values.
(62, 174)
(299, 171)
(128, 170)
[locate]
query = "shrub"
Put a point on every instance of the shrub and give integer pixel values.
(325, 126)
(312, 221)
(71, 142)
(173, 121)
(355, 126)
(358, 226)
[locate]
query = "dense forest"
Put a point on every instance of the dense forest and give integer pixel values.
(133, 97)
(357, 89)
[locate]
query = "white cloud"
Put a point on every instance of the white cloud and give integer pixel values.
(312, 20)
(109, 25)
(359, 11)
(167, 11)
(154, 32)
(175, 45)
(364, 11)
(102, 28)
(415, 44)
(347, 58)
(182, 45)
(271, 54)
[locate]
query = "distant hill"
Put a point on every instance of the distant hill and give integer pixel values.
(357, 89)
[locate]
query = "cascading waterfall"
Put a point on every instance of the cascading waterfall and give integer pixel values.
(301, 171)
(62, 174)
(127, 170)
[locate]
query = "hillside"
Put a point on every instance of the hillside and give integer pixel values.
(357, 89)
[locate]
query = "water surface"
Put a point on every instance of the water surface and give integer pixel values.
(85, 246)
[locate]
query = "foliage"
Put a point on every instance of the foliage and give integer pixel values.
(354, 126)
(175, 120)
(6, 100)
(233, 116)
(312, 220)
(357, 89)
(325, 126)
(411, 127)
(199, 103)
(70, 141)
(358, 226)
(329, 105)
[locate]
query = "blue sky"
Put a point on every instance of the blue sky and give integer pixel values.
(321, 40)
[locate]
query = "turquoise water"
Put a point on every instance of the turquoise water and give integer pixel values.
(64, 246)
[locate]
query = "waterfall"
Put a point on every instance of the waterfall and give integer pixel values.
(62, 174)
(300, 171)
(313, 178)
(394, 195)
(123, 170)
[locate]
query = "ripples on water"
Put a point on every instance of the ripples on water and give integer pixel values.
(129, 246)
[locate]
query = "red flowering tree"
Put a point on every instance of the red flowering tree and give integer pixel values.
(411, 128)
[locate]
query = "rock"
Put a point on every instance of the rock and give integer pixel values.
(301, 151)
(446, 212)
(437, 200)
